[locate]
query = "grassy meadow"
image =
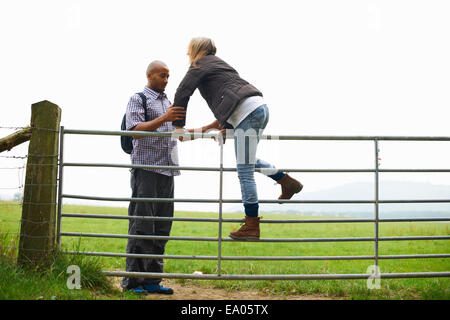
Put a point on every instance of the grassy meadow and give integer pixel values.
(427, 288)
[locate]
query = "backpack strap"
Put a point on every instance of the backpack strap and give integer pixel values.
(144, 104)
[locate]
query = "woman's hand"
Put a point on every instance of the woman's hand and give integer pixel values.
(213, 125)
(217, 126)
(180, 131)
(221, 135)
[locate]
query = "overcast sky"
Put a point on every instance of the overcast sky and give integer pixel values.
(324, 67)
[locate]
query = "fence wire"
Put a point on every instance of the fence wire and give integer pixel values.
(12, 205)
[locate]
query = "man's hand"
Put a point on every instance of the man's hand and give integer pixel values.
(174, 113)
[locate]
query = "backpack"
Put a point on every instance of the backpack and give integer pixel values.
(127, 141)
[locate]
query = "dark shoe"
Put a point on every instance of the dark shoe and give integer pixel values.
(289, 187)
(156, 288)
(248, 231)
(138, 290)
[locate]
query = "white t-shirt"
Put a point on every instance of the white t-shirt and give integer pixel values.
(244, 108)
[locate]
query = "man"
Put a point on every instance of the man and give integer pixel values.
(151, 183)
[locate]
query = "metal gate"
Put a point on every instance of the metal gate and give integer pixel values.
(220, 220)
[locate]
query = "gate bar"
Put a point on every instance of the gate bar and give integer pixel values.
(60, 186)
(72, 196)
(376, 206)
(142, 166)
(264, 136)
(145, 237)
(343, 220)
(256, 258)
(275, 277)
(219, 250)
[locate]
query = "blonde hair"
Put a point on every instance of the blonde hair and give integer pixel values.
(200, 47)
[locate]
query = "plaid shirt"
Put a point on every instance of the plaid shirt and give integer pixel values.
(152, 150)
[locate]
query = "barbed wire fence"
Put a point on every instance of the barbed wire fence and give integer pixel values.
(29, 216)
(12, 170)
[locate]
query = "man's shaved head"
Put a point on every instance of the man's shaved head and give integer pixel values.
(155, 66)
(157, 76)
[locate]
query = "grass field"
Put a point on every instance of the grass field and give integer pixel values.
(428, 288)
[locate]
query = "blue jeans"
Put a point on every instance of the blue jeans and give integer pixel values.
(246, 139)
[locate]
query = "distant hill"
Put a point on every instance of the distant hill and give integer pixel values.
(389, 190)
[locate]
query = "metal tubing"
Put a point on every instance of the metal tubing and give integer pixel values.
(264, 137)
(141, 166)
(142, 134)
(60, 186)
(219, 250)
(376, 206)
(72, 196)
(145, 237)
(131, 236)
(274, 277)
(414, 238)
(343, 220)
(143, 256)
(357, 138)
(255, 258)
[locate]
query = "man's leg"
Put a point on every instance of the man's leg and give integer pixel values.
(131, 264)
(165, 189)
(144, 185)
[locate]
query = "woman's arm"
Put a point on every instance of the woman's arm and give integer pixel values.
(212, 126)
(185, 90)
(172, 114)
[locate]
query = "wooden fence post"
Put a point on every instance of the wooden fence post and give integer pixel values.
(37, 232)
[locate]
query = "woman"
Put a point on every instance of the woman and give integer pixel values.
(235, 104)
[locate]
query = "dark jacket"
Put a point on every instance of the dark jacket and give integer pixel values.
(219, 84)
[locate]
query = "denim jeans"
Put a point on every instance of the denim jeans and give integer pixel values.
(246, 139)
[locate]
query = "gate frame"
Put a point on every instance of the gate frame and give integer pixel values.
(220, 220)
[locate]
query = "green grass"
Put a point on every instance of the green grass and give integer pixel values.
(29, 283)
(427, 288)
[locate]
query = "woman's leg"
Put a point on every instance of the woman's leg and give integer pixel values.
(246, 138)
(289, 186)
(269, 170)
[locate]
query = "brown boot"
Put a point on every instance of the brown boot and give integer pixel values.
(248, 231)
(289, 186)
